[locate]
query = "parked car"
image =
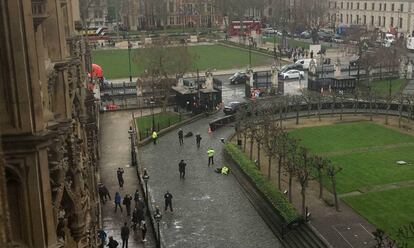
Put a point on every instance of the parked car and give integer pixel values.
(338, 38)
(269, 31)
(292, 74)
(288, 67)
(305, 63)
(325, 36)
(232, 107)
(305, 35)
(238, 78)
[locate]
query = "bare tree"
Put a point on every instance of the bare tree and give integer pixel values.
(162, 63)
(292, 160)
(270, 145)
(319, 164)
(282, 144)
(303, 173)
(331, 172)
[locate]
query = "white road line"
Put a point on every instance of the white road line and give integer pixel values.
(342, 236)
(367, 230)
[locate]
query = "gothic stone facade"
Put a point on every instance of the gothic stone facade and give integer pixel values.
(49, 156)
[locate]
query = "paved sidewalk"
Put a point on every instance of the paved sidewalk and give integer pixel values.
(210, 210)
(115, 152)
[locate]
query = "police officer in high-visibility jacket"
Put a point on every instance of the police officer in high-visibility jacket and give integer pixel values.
(154, 137)
(225, 170)
(210, 153)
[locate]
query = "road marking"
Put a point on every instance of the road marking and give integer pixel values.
(367, 231)
(342, 236)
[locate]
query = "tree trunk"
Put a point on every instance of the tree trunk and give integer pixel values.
(279, 173)
(309, 108)
(303, 192)
(386, 113)
(245, 139)
(320, 183)
(290, 186)
(334, 192)
(258, 155)
(370, 108)
(297, 116)
(251, 148)
(269, 167)
(319, 108)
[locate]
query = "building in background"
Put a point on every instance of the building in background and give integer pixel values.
(179, 14)
(48, 127)
(386, 16)
(95, 13)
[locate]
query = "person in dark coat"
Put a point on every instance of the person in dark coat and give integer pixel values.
(112, 243)
(198, 140)
(136, 197)
(119, 175)
(143, 230)
(168, 201)
(127, 203)
(125, 235)
(118, 201)
(102, 237)
(181, 136)
(103, 193)
(181, 168)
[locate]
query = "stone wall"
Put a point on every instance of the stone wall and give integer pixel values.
(48, 128)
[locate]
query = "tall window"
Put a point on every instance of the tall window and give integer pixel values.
(347, 5)
(379, 21)
(351, 18)
(380, 6)
(357, 19)
(365, 20)
(373, 6)
(342, 18)
(383, 21)
(352, 5)
(358, 5)
(365, 6)
(401, 22)
(347, 18)
(342, 5)
(402, 7)
(372, 20)
(392, 21)
(385, 7)
(392, 7)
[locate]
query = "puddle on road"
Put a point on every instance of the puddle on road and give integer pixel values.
(203, 198)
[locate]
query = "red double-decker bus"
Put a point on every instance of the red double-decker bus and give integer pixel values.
(248, 27)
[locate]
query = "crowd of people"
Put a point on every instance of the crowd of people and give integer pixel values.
(136, 203)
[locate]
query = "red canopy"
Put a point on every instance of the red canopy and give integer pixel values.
(97, 71)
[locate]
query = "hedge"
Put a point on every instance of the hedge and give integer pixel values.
(275, 197)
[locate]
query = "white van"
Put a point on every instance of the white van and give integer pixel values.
(305, 63)
(389, 38)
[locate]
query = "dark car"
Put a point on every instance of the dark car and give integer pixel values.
(238, 78)
(232, 107)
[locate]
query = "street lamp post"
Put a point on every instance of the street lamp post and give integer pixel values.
(152, 102)
(129, 58)
(145, 177)
(250, 52)
(133, 153)
(158, 217)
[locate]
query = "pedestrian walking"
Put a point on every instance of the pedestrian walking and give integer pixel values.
(143, 230)
(198, 140)
(102, 237)
(119, 175)
(168, 201)
(127, 203)
(154, 137)
(118, 201)
(125, 235)
(112, 243)
(181, 168)
(136, 197)
(181, 137)
(101, 193)
(210, 153)
(134, 219)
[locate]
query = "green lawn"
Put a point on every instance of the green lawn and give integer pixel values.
(382, 87)
(368, 153)
(162, 120)
(345, 136)
(115, 62)
(388, 210)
